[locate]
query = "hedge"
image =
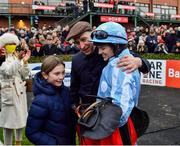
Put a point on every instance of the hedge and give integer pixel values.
(169, 56)
(40, 59)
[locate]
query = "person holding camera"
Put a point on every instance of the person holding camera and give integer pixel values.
(13, 71)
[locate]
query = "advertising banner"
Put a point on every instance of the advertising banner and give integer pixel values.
(126, 7)
(175, 16)
(157, 75)
(173, 73)
(103, 5)
(40, 7)
(163, 73)
(150, 14)
(114, 19)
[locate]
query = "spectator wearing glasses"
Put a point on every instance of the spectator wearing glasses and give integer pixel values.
(87, 65)
(49, 48)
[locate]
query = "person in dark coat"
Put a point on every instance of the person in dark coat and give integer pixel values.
(85, 6)
(176, 48)
(49, 121)
(171, 39)
(72, 49)
(64, 33)
(75, 10)
(49, 48)
(151, 41)
(37, 51)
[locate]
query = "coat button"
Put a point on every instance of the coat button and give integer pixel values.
(21, 92)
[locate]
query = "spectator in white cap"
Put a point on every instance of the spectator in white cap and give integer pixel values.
(13, 71)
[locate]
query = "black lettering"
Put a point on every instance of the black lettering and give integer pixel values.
(152, 65)
(158, 65)
(152, 74)
(158, 74)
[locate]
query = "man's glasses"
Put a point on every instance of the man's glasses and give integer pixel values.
(100, 34)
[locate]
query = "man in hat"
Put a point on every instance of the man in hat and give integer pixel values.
(87, 65)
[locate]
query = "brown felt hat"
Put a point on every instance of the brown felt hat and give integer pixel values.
(77, 29)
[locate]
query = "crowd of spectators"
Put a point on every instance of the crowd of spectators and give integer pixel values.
(50, 40)
(47, 40)
(79, 8)
(162, 39)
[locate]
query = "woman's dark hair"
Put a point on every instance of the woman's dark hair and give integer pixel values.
(50, 63)
(118, 48)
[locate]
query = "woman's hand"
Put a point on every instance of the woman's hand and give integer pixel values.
(23, 55)
(27, 56)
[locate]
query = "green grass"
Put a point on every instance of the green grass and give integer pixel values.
(25, 141)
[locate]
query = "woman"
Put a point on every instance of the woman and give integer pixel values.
(49, 121)
(13, 71)
(111, 40)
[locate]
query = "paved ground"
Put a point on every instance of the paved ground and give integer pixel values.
(163, 107)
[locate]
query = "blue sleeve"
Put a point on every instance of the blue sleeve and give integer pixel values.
(124, 96)
(35, 122)
(122, 87)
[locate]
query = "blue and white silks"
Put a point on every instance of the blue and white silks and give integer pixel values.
(122, 87)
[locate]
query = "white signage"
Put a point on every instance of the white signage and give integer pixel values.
(40, 7)
(157, 74)
(103, 5)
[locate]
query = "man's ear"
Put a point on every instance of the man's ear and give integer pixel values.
(45, 76)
